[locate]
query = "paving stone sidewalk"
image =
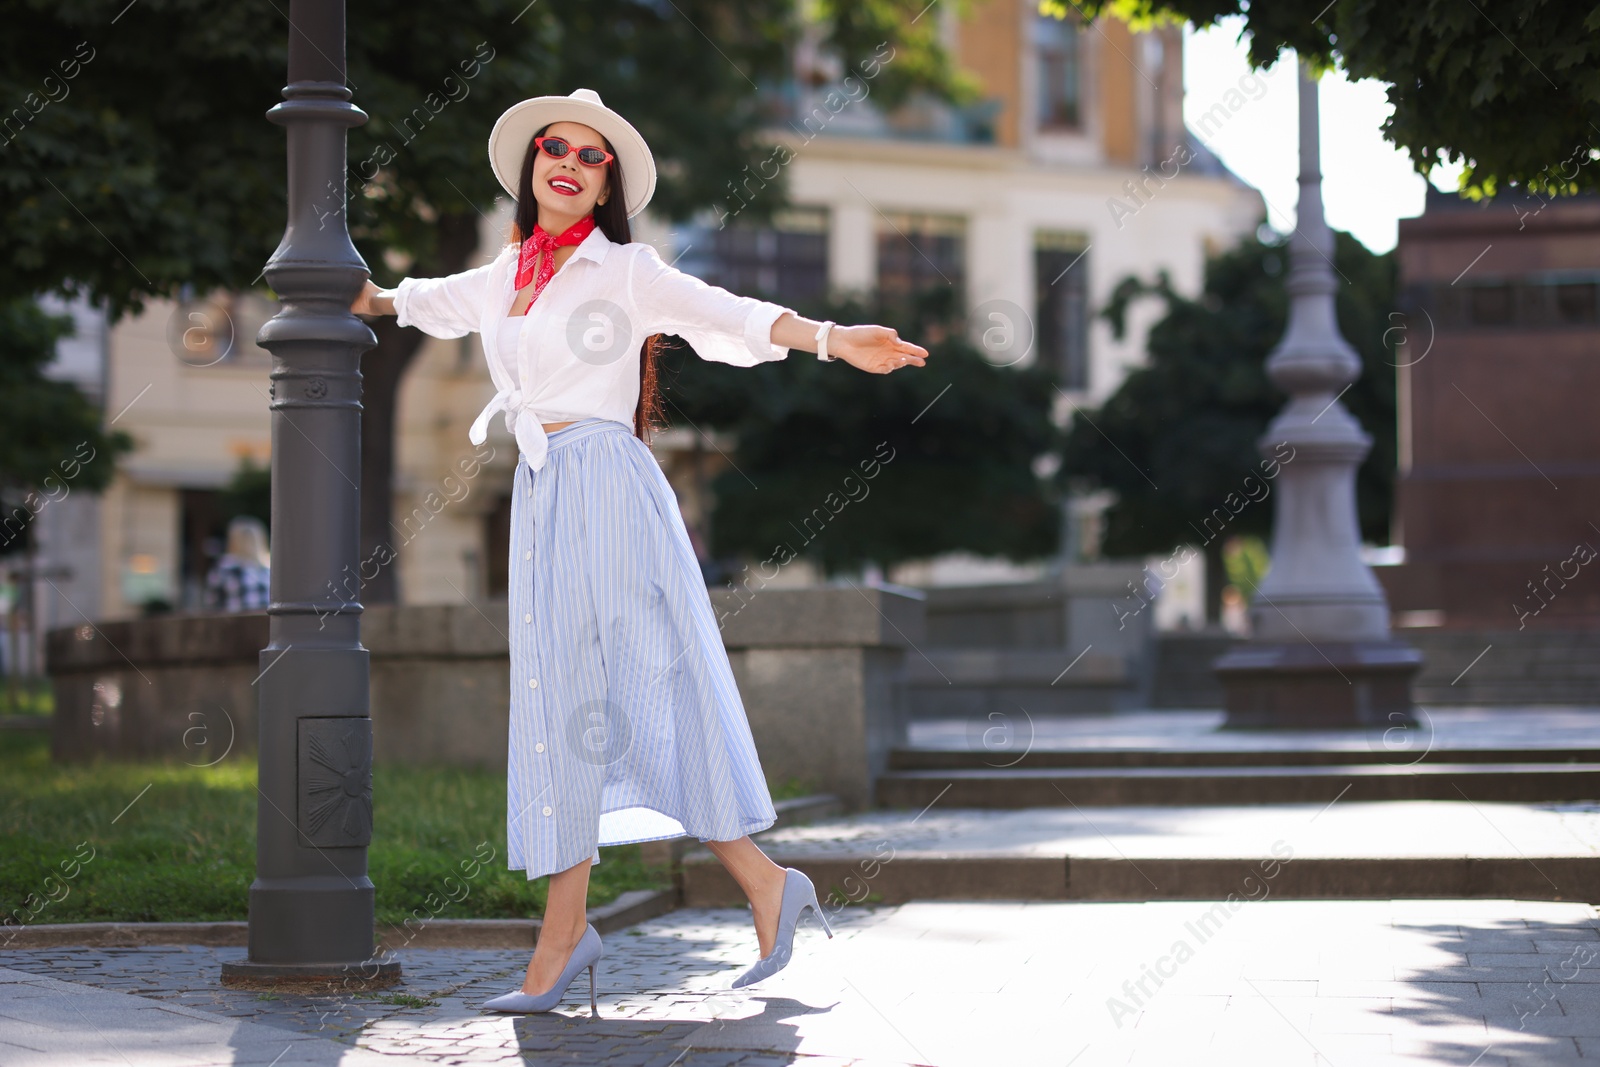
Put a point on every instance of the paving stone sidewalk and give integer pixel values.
(1262, 982)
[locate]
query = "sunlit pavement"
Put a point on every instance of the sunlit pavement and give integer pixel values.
(1484, 982)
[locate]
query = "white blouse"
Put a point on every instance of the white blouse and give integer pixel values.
(507, 344)
(577, 350)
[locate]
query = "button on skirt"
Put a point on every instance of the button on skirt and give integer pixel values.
(625, 723)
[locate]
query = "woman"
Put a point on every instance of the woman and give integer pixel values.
(624, 713)
(241, 578)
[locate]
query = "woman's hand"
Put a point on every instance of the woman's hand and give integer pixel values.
(373, 301)
(874, 349)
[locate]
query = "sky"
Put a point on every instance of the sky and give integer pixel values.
(1368, 184)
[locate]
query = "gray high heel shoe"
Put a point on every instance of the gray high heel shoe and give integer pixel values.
(586, 953)
(798, 894)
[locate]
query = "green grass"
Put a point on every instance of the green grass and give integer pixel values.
(144, 842)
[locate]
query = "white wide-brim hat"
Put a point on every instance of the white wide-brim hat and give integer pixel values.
(508, 141)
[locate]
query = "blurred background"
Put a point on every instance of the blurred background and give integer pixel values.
(1085, 222)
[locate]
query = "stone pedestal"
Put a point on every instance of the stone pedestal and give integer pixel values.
(1320, 653)
(822, 674)
(1330, 685)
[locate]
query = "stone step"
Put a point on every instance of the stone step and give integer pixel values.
(1344, 850)
(929, 759)
(1100, 787)
(962, 683)
(796, 811)
(867, 878)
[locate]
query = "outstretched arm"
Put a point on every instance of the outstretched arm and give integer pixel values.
(875, 349)
(448, 306)
(726, 328)
(374, 301)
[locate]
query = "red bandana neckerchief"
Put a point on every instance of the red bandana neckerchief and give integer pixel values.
(540, 241)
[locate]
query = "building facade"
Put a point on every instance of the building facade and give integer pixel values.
(1502, 302)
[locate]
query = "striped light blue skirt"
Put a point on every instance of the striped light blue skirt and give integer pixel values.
(625, 721)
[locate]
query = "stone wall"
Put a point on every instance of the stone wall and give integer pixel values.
(821, 672)
(1075, 641)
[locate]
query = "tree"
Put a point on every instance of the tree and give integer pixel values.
(248, 492)
(1179, 435)
(845, 468)
(140, 161)
(1511, 89)
(51, 440)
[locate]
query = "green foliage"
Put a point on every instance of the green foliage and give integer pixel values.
(792, 788)
(857, 27)
(1180, 433)
(33, 697)
(148, 165)
(248, 492)
(1513, 89)
(1245, 561)
(845, 467)
(152, 165)
(51, 440)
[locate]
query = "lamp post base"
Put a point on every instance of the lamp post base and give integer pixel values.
(1323, 686)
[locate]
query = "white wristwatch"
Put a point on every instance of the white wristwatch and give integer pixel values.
(822, 342)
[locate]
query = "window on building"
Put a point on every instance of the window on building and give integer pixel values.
(203, 537)
(1061, 306)
(785, 260)
(220, 330)
(1057, 45)
(1574, 302)
(497, 548)
(1490, 305)
(1537, 301)
(917, 253)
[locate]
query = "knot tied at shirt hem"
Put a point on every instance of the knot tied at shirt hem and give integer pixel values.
(524, 426)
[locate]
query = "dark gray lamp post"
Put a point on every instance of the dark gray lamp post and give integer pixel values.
(311, 905)
(1320, 652)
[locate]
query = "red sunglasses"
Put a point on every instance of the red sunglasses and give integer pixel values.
(588, 155)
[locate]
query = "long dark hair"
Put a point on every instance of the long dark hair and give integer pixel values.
(612, 219)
